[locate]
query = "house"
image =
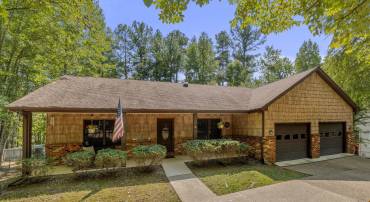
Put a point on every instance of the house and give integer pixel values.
(305, 115)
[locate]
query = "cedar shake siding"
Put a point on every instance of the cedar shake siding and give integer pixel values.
(307, 99)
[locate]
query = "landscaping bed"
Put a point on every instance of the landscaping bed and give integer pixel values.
(224, 179)
(123, 185)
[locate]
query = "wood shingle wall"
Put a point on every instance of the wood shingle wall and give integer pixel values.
(311, 101)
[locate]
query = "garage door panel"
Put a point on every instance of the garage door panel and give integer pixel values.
(291, 141)
(331, 138)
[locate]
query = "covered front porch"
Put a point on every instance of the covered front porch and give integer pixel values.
(69, 131)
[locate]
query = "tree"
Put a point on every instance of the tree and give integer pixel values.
(206, 60)
(307, 57)
(175, 46)
(223, 46)
(274, 66)
(352, 74)
(191, 61)
(347, 21)
(123, 50)
(236, 75)
(42, 40)
(246, 40)
(141, 36)
(160, 72)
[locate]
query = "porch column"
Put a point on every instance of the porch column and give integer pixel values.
(123, 139)
(195, 125)
(27, 134)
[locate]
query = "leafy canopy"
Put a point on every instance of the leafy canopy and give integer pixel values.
(346, 20)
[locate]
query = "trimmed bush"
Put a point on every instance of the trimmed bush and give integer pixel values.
(215, 149)
(80, 160)
(35, 166)
(109, 158)
(149, 155)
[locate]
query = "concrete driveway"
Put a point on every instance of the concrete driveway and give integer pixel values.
(344, 179)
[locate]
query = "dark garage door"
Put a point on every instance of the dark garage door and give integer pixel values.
(331, 138)
(291, 141)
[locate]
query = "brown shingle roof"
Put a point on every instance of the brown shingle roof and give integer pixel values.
(101, 95)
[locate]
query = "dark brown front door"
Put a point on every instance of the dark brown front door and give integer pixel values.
(165, 135)
(331, 138)
(291, 141)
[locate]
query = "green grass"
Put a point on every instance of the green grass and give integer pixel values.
(122, 186)
(224, 179)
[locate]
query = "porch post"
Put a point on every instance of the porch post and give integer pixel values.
(195, 126)
(123, 139)
(27, 134)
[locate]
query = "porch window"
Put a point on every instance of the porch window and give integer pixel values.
(208, 129)
(98, 133)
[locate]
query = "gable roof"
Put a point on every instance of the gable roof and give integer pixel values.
(89, 94)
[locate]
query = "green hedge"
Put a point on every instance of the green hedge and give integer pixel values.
(108, 158)
(80, 160)
(215, 149)
(148, 155)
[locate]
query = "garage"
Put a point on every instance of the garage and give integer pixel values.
(331, 138)
(292, 141)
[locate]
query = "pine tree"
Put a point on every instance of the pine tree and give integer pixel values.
(308, 56)
(274, 66)
(207, 63)
(246, 40)
(123, 50)
(223, 46)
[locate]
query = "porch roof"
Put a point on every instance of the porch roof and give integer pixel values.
(89, 94)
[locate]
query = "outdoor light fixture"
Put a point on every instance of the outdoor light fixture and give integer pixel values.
(271, 132)
(220, 125)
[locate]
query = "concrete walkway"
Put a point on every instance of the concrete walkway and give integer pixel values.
(188, 187)
(345, 179)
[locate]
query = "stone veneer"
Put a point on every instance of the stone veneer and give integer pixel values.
(315, 146)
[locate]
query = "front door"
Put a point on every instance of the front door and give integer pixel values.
(165, 135)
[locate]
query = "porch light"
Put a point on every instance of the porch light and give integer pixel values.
(220, 125)
(271, 132)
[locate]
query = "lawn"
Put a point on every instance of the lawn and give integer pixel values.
(122, 186)
(224, 179)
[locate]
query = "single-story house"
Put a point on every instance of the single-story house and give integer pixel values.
(304, 115)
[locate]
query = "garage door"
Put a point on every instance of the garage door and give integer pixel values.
(331, 138)
(291, 141)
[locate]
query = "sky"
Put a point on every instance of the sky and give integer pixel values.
(211, 19)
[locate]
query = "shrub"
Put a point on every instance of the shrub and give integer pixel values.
(35, 166)
(215, 149)
(149, 155)
(80, 160)
(109, 158)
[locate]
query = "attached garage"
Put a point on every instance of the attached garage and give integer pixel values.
(331, 138)
(292, 141)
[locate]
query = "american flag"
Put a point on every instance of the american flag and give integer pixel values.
(119, 129)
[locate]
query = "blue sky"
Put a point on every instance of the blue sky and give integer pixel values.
(212, 19)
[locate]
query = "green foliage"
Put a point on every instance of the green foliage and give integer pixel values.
(308, 56)
(108, 158)
(223, 46)
(35, 166)
(215, 149)
(274, 66)
(246, 40)
(347, 21)
(80, 160)
(351, 73)
(149, 155)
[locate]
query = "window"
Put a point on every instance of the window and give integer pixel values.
(287, 137)
(278, 137)
(303, 136)
(99, 133)
(295, 136)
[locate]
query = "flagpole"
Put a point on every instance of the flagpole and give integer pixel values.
(123, 140)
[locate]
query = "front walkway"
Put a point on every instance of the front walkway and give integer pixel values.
(344, 179)
(188, 187)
